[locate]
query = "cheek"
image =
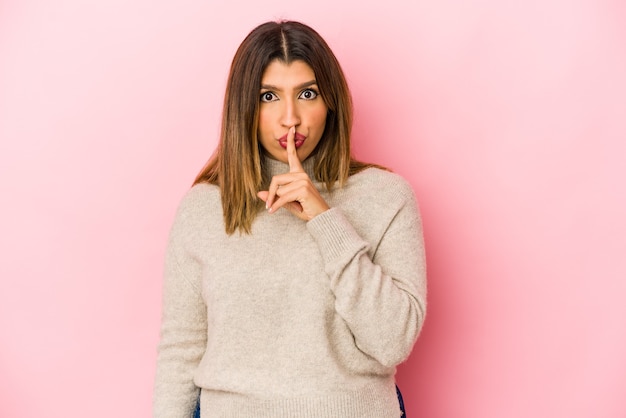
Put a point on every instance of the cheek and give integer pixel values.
(265, 129)
(318, 118)
(263, 121)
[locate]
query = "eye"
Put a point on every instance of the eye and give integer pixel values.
(268, 96)
(308, 94)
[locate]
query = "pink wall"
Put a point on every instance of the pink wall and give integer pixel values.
(508, 117)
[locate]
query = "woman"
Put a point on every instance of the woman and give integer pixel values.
(303, 309)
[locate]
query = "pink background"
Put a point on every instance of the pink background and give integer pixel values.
(507, 117)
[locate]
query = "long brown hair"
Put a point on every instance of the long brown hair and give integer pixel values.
(236, 165)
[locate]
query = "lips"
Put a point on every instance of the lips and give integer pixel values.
(298, 139)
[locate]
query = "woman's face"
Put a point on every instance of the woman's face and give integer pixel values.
(290, 97)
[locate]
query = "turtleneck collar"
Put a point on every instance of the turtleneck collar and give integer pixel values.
(272, 167)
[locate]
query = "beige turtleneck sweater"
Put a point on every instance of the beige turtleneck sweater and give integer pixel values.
(297, 319)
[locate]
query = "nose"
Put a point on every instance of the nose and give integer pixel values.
(290, 113)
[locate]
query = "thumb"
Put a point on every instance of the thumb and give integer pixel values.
(263, 195)
(296, 208)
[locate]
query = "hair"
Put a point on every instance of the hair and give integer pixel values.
(236, 164)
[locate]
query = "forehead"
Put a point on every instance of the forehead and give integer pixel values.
(278, 73)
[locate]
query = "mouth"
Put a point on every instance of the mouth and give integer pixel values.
(298, 139)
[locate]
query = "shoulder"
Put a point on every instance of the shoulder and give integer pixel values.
(200, 205)
(381, 183)
(201, 197)
(373, 199)
(374, 195)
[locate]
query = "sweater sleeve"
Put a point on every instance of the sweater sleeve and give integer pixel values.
(380, 292)
(183, 329)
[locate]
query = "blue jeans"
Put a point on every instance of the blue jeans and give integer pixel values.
(196, 413)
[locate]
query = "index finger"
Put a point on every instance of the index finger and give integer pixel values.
(292, 155)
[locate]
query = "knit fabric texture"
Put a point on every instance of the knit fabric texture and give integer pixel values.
(296, 319)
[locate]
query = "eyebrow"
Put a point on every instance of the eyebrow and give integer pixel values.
(299, 86)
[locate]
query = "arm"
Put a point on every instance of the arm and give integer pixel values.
(381, 293)
(183, 331)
